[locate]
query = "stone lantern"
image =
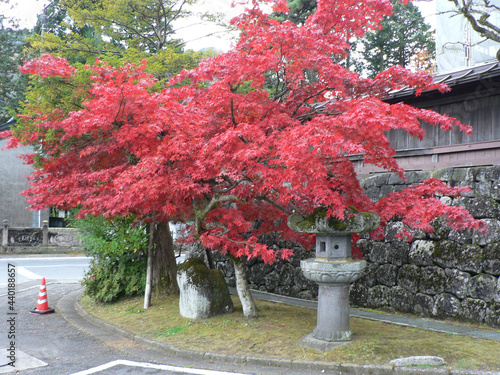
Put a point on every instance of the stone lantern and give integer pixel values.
(334, 270)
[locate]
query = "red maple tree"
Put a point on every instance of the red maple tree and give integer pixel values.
(237, 144)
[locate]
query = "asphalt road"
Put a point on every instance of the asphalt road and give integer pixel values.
(55, 269)
(55, 347)
(68, 344)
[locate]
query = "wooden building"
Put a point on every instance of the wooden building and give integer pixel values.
(474, 99)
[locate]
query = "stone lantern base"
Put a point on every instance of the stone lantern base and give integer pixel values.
(334, 278)
(320, 345)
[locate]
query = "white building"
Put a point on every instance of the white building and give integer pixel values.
(457, 45)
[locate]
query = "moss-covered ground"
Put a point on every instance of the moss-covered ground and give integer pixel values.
(279, 329)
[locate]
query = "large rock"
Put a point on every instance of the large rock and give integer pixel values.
(497, 293)
(492, 317)
(398, 252)
(423, 304)
(491, 259)
(474, 310)
(422, 360)
(203, 291)
(421, 253)
(387, 274)
(369, 275)
(365, 246)
(483, 286)
(378, 296)
(480, 207)
(401, 299)
(380, 252)
(358, 294)
(433, 280)
(493, 234)
(446, 306)
(457, 282)
(271, 281)
(287, 275)
(451, 254)
(495, 189)
(256, 277)
(409, 277)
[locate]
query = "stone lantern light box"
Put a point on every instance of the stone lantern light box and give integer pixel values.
(329, 246)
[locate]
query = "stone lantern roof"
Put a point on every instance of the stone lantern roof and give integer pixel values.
(319, 223)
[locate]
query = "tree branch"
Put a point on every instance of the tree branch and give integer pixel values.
(232, 185)
(233, 118)
(309, 98)
(273, 203)
(480, 25)
(216, 199)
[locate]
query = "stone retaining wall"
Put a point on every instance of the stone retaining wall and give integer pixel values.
(444, 274)
(284, 278)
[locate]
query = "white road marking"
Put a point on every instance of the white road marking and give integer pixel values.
(122, 362)
(23, 361)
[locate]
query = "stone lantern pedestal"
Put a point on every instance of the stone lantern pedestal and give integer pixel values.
(334, 270)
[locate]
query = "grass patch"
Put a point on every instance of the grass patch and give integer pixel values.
(170, 331)
(278, 330)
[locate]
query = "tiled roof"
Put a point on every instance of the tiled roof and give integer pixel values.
(459, 77)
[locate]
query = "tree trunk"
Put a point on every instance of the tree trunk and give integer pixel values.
(164, 270)
(243, 289)
(210, 259)
(149, 269)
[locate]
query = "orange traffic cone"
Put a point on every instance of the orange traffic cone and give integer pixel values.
(43, 305)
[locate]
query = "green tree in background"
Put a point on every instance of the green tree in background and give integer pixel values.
(145, 25)
(12, 83)
(299, 11)
(81, 31)
(403, 35)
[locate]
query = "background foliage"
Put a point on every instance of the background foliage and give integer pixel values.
(403, 35)
(12, 83)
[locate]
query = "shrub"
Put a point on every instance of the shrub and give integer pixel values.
(118, 249)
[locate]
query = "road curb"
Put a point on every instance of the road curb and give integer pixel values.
(73, 299)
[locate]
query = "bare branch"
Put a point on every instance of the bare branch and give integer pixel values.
(478, 18)
(233, 118)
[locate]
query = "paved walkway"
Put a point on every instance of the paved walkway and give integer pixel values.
(71, 310)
